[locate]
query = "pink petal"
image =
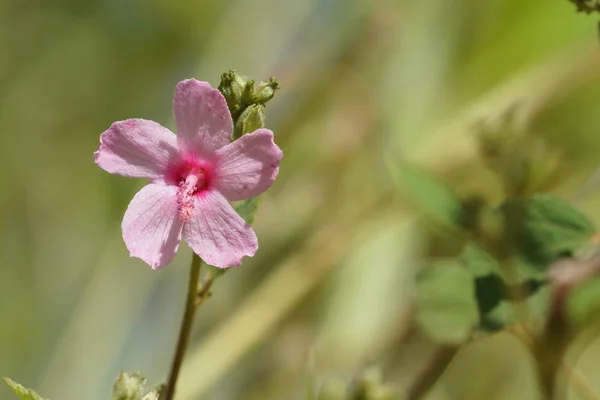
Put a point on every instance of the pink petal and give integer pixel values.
(248, 166)
(151, 227)
(217, 233)
(203, 120)
(136, 148)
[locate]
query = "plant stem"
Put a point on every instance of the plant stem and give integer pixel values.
(436, 366)
(186, 327)
(203, 291)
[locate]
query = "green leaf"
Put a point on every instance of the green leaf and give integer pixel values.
(505, 314)
(431, 196)
(487, 275)
(491, 287)
(552, 229)
(21, 392)
(446, 306)
(583, 304)
(129, 386)
(247, 208)
(479, 262)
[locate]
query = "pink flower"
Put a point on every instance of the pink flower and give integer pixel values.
(194, 175)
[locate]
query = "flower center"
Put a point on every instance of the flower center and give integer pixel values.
(191, 182)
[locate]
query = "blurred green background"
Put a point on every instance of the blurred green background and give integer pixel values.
(330, 290)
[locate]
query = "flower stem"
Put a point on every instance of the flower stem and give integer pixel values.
(186, 327)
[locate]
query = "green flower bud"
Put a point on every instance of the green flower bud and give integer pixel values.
(251, 119)
(233, 87)
(129, 386)
(264, 91)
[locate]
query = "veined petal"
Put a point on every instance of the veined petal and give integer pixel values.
(248, 166)
(217, 233)
(136, 148)
(151, 228)
(203, 120)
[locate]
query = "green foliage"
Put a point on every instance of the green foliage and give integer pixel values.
(525, 164)
(508, 312)
(547, 229)
(446, 304)
(583, 304)
(247, 208)
(21, 392)
(479, 262)
(587, 6)
(552, 228)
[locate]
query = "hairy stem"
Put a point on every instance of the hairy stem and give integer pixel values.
(186, 327)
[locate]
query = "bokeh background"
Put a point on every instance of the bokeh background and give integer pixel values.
(330, 290)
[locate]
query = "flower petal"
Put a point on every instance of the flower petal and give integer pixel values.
(151, 227)
(217, 233)
(203, 120)
(136, 148)
(248, 166)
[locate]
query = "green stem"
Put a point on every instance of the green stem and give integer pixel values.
(186, 327)
(435, 368)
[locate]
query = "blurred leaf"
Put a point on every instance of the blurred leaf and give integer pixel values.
(491, 287)
(583, 304)
(587, 6)
(247, 208)
(489, 292)
(433, 198)
(488, 277)
(479, 262)
(552, 229)
(447, 308)
(129, 386)
(505, 314)
(21, 392)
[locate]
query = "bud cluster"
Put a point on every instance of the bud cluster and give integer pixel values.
(246, 100)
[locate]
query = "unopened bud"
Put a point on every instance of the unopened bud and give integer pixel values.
(265, 91)
(252, 118)
(232, 87)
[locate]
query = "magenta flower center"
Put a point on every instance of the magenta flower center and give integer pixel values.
(192, 179)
